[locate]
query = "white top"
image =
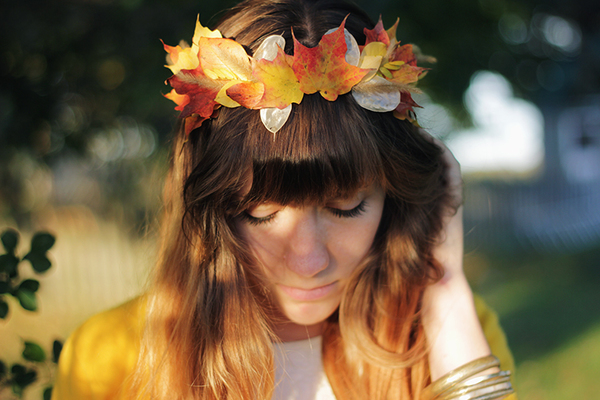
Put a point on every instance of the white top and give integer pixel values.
(299, 371)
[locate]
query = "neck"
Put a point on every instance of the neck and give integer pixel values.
(289, 331)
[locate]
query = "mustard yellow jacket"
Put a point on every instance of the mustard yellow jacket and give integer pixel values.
(101, 353)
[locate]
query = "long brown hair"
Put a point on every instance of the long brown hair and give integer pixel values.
(208, 326)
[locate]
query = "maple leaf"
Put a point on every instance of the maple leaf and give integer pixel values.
(180, 99)
(377, 34)
(405, 108)
(183, 56)
(201, 31)
(282, 88)
(221, 64)
(180, 57)
(224, 59)
(405, 68)
(324, 68)
(246, 94)
(392, 32)
(200, 90)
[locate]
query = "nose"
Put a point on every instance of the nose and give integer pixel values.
(307, 252)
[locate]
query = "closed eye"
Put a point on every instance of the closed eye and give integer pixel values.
(256, 220)
(354, 212)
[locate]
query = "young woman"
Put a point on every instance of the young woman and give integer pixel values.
(309, 251)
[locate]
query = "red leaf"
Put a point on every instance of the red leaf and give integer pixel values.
(323, 68)
(200, 90)
(405, 107)
(377, 34)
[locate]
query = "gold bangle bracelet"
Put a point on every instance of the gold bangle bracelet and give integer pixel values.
(481, 389)
(477, 382)
(458, 375)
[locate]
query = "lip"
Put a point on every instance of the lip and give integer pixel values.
(308, 294)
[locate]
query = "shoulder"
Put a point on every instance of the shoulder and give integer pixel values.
(101, 353)
(495, 337)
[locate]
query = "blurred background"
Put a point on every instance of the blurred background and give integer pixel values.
(84, 138)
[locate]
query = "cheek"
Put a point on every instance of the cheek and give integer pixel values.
(353, 243)
(265, 246)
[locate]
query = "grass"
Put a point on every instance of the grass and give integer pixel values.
(549, 305)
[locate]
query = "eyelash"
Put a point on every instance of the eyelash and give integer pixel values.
(256, 221)
(354, 212)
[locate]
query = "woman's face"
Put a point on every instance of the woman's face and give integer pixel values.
(308, 253)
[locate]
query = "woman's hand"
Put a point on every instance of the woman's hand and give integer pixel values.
(449, 318)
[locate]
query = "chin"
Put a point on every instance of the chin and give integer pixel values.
(309, 313)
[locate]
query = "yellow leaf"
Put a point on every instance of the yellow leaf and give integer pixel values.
(394, 65)
(224, 59)
(225, 100)
(202, 31)
(281, 85)
(386, 73)
(181, 58)
(392, 32)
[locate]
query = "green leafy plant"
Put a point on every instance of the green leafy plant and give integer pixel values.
(10, 283)
(20, 375)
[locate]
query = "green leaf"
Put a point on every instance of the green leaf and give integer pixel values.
(48, 393)
(17, 369)
(30, 284)
(39, 261)
(26, 379)
(27, 299)
(56, 349)
(5, 287)
(42, 242)
(17, 390)
(33, 352)
(3, 308)
(8, 264)
(10, 239)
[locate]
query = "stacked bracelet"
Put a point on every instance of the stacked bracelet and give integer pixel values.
(463, 384)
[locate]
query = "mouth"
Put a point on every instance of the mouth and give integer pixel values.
(308, 294)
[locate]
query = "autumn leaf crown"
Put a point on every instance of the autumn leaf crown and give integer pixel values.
(216, 72)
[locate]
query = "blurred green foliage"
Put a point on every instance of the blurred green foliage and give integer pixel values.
(20, 376)
(10, 282)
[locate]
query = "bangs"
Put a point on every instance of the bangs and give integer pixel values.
(325, 150)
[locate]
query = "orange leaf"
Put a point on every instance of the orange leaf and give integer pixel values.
(408, 72)
(404, 53)
(180, 99)
(281, 85)
(247, 94)
(377, 34)
(323, 68)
